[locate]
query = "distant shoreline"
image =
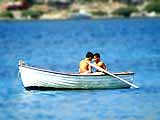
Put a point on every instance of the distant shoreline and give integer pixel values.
(113, 18)
(87, 10)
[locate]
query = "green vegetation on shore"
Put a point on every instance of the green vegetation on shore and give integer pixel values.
(92, 8)
(125, 12)
(7, 15)
(154, 6)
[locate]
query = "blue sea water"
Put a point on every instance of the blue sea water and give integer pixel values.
(124, 45)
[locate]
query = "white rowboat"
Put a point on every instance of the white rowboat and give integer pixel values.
(34, 78)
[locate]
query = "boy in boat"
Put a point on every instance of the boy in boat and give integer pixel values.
(98, 62)
(84, 67)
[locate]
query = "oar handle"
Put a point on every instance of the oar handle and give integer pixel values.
(102, 70)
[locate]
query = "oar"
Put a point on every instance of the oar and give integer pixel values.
(105, 71)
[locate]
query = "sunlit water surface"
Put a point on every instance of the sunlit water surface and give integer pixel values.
(124, 45)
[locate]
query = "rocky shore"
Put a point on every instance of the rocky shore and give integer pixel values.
(77, 10)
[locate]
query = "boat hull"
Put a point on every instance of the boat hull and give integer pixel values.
(40, 79)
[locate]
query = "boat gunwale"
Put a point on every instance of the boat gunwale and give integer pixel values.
(68, 74)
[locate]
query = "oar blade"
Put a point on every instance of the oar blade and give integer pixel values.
(102, 70)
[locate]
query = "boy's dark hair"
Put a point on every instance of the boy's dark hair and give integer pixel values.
(97, 55)
(89, 54)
